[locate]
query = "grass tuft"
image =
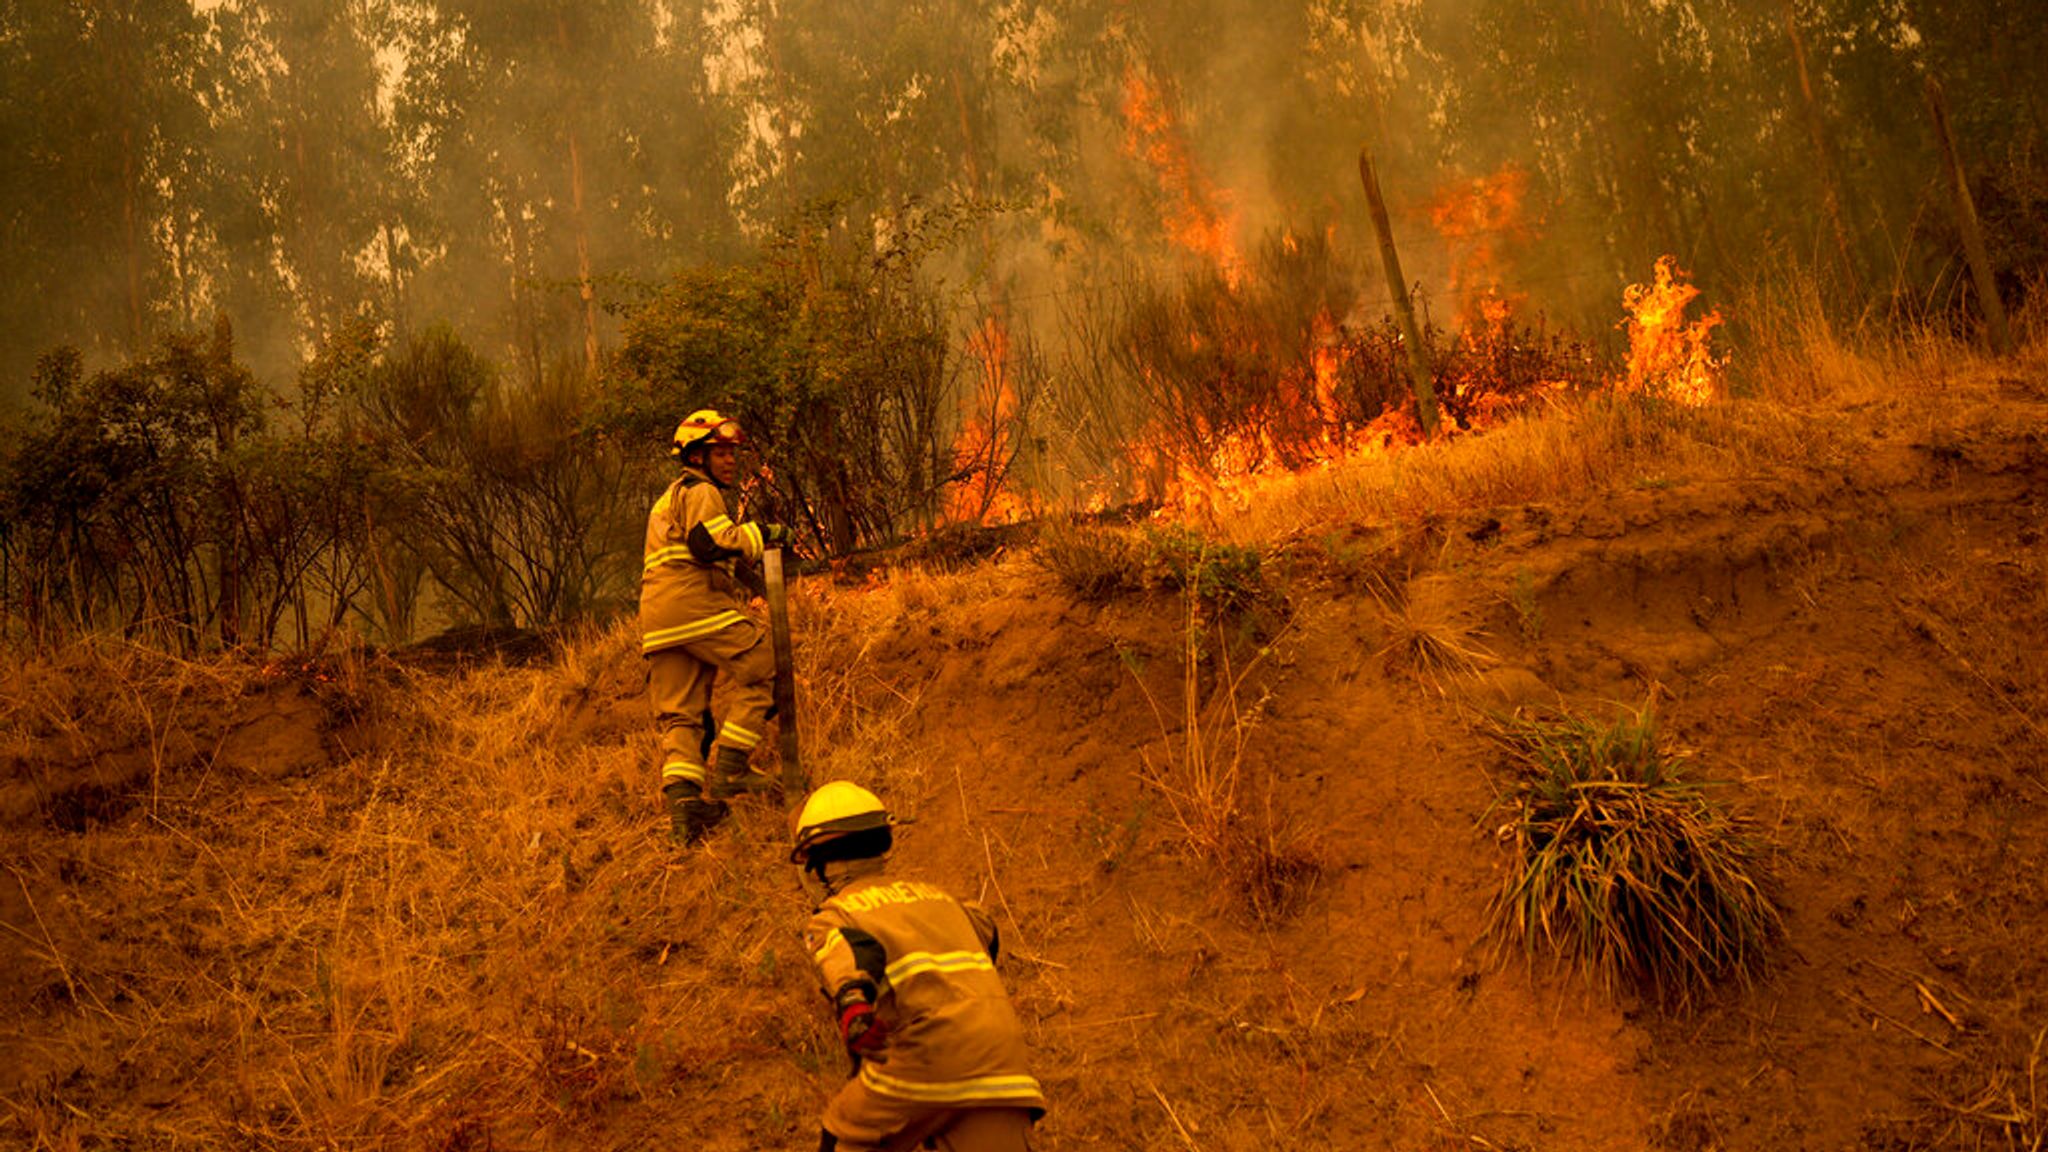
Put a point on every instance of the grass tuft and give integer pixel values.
(1426, 636)
(1622, 866)
(1269, 864)
(1095, 564)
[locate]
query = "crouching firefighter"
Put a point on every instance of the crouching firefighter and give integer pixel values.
(938, 1053)
(693, 627)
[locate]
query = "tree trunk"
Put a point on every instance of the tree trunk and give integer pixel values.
(391, 269)
(1397, 288)
(132, 240)
(1824, 158)
(1966, 221)
(585, 286)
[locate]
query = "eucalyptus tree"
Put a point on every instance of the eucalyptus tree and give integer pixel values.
(302, 165)
(522, 115)
(100, 123)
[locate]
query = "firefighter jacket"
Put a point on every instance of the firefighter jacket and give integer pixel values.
(688, 587)
(929, 962)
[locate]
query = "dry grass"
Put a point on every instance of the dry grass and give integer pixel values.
(1588, 445)
(1427, 635)
(859, 683)
(478, 934)
(1796, 372)
(1994, 1099)
(1987, 620)
(1094, 563)
(1222, 806)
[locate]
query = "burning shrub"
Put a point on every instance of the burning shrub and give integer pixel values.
(1257, 376)
(1237, 361)
(1622, 865)
(1483, 375)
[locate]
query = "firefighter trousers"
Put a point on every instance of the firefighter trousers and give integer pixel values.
(679, 682)
(859, 1119)
(949, 1130)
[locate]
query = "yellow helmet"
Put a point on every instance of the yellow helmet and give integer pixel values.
(838, 809)
(706, 427)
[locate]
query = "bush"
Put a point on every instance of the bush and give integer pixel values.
(1273, 366)
(176, 500)
(1095, 564)
(837, 363)
(1225, 577)
(509, 494)
(1622, 865)
(126, 501)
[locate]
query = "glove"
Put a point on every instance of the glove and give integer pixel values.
(774, 535)
(863, 1031)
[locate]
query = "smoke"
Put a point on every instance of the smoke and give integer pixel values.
(486, 164)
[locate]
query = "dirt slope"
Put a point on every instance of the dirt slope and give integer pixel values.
(425, 910)
(1856, 650)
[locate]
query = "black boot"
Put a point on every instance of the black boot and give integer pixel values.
(730, 775)
(690, 816)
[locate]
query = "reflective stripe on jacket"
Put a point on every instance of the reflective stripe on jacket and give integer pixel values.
(929, 961)
(687, 586)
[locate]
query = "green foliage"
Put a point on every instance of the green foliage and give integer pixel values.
(177, 501)
(837, 366)
(1226, 577)
(1622, 865)
(1098, 563)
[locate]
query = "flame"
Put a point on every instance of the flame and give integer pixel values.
(1482, 223)
(1668, 355)
(1494, 367)
(988, 428)
(1238, 468)
(1198, 218)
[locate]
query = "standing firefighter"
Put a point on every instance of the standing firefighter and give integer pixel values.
(911, 973)
(692, 627)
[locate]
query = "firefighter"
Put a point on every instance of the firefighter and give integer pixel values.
(693, 626)
(938, 1053)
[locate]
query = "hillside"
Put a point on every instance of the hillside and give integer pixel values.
(372, 902)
